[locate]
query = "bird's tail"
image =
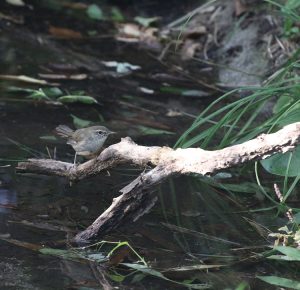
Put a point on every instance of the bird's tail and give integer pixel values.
(64, 131)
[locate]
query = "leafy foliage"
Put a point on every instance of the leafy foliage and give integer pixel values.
(290, 11)
(282, 282)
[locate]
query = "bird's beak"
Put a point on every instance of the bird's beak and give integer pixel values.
(112, 132)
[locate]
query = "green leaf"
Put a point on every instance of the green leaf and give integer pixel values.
(144, 269)
(243, 187)
(64, 254)
(77, 99)
(138, 277)
(81, 123)
(149, 271)
(243, 286)
(281, 258)
(48, 138)
(292, 4)
(278, 281)
(290, 117)
(195, 267)
(295, 30)
(98, 257)
(283, 102)
(116, 278)
(151, 131)
(13, 89)
(116, 14)
(194, 93)
(285, 230)
(53, 92)
(297, 218)
(291, 252)
(92, 32)
(278, 163)
(172, 90)
(297, 236)
(95, 12)
(222, 175)
(146, 22)
(38, 95)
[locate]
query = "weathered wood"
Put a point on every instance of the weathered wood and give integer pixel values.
(137, 197)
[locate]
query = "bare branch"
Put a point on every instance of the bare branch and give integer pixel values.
(137, 197)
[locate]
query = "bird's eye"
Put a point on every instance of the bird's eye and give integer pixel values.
(100, 132)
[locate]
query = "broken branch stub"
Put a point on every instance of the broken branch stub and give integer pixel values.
(137, 197)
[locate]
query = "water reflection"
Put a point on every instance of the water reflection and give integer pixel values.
(8, 200)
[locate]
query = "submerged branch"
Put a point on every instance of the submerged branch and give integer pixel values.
(137, 197)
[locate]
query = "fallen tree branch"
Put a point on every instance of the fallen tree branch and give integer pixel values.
(137, 197)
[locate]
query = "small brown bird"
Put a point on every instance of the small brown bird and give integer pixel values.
(86, 141)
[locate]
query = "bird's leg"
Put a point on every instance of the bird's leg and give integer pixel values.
(75, 158)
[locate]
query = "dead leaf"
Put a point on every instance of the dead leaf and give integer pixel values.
(194, 268)
(191, 213)
(189, 49)
(67, 33)
(22, 78)
(14, 19)
(119, 256)
(194, 31)
(146, 90)
(22, 244)
(121, 67)
(173, 113)
(150, 39)
(240, 8)
(8, 206)
(77, 6)
(133, 33)
(129, 30)
(77, 77)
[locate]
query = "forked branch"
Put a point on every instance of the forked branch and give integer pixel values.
(137, 197)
